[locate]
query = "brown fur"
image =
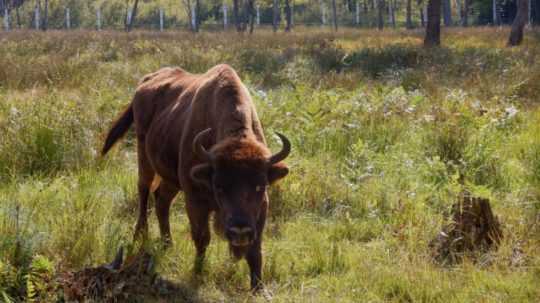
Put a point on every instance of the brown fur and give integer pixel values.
(170, 107)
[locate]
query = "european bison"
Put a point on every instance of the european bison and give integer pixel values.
(201, 134)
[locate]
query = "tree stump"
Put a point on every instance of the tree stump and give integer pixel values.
(474, 228)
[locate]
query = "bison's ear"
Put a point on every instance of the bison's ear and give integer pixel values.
(277, 171)
(202, 174)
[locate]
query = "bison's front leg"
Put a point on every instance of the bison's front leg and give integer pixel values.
(254, 255)
(198, 214)
(254, 260)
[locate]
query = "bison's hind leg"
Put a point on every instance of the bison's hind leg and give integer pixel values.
(146, 176)
(164, 196)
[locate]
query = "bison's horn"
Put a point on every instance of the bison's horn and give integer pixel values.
(198, 149)
(284, 152)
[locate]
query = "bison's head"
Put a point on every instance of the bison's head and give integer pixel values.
(238, 172)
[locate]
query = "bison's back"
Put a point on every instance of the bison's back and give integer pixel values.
(159, 112)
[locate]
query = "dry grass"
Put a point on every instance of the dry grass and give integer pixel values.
(385, 135)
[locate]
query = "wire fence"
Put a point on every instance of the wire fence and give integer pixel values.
(161, 22)
(345, 16)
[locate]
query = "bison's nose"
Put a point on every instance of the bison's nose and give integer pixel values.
(240, 236)
(240, 231)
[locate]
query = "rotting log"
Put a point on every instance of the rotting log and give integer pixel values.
(117, 281)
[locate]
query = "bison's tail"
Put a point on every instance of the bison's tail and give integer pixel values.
(120, 127)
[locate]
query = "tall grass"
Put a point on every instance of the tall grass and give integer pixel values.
(385, 136)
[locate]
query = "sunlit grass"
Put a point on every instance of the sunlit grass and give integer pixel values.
(385, 136)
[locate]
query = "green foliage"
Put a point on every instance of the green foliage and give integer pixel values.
(385, 136)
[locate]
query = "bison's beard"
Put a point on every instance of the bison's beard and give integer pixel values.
(219, 227)
(238, 252)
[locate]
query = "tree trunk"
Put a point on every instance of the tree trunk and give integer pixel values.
(392, 6)
(473, 228)
(465, 14)
(287, 15)
(188, 13)
(18, 16)
(45, 23)
(350, 6)
(252, 15)
(380, 20)
(408, 17)
(494, 12)
(133, 14)
(433, 28)
(459, 11)
(37, 16)
(447, 13)
(197, 15)
(275, 15)
(365, 6)
(244, 16)
(334, 15)
(421, 11)
(516, 33)
(236, 16)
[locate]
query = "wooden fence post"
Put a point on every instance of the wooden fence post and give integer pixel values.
(36, 17)
(98, 19)
(193, 18)
(530, 13)
(258, 15)
(68, 18)
(6, 19)
(129, 14)
(225, 15)
(161, 19)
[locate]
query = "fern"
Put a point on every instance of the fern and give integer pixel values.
(38, 279)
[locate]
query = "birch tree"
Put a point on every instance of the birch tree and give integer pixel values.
(129, 23)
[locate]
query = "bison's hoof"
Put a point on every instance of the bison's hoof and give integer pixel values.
(166, 243)
(199, 264)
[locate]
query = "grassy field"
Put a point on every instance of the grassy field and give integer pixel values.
(386, 135)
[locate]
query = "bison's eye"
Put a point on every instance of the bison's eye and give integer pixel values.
(260, 188)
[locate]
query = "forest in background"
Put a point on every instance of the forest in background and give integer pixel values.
(177, 14)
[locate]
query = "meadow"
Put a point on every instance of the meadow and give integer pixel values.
(385, 134)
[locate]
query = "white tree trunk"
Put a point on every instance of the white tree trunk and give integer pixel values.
(258, 15)
(225, 15)
(129, 14)
(161, 23)
(36, 17)
(98, 19)
(6, 19)
(68, 19)
(193, 18)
